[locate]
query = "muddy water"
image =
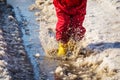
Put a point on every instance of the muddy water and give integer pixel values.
(43, 68)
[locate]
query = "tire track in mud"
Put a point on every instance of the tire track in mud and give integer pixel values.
(30, 31)
(13, 53)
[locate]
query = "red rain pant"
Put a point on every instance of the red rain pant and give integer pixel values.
(69, 26)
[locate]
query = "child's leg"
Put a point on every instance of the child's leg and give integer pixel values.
(62, 34)
(62, 26)
(77, 27)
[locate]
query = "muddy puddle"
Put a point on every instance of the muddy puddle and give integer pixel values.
(43, 67)
(47, 67)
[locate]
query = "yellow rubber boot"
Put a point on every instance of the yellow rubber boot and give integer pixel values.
(62, 50)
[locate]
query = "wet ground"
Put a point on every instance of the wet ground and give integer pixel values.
(85, 67)
(30, 29)
(101, 36)
(14, 62)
